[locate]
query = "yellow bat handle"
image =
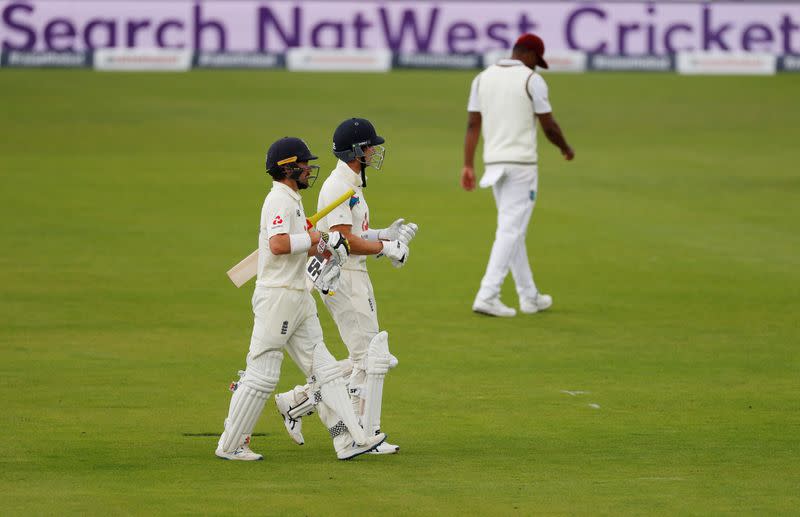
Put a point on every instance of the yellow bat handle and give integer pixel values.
(314, 219)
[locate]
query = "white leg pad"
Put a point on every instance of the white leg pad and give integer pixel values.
(256, 385)
(378, 364)
(333, 389)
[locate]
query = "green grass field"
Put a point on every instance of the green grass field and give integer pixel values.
(671, 246)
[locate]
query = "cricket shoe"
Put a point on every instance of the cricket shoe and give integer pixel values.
(385, 448)
(293, 426)
(243, 453)
(352, 450)
(493, 307)
(539, 303)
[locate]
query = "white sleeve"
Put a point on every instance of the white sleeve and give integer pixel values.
(474, 104)
(537, 89)
(339, 215)
(276, 217)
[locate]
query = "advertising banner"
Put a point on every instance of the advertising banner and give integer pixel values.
(718, 63)
(411, 27)
(137, 60)
(19, 59)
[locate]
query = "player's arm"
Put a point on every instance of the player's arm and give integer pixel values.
(553, 133)
(470, 143)
(358, 246)
(472, 135)
(285, 244)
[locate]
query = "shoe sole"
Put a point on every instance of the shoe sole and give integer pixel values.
(364, 451)
(478, 311)
(383, 453)
(236, 459)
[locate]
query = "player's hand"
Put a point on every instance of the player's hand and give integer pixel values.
(468, 178)
(337, 245)
(392, 233)
(568, 153)
(407, 232)
(328, 280)
(396, 251)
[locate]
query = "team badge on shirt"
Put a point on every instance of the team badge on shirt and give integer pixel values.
(354, 201)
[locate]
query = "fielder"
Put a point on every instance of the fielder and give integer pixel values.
(285, 315)
(503, 100)
(357, 146)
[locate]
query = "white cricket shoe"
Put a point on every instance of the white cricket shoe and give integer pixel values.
(493, 307)
(351, 451)
(243, 453)
(541, 302)
(385, 448)
(293, 426)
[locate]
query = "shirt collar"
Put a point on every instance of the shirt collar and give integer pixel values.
(346, 174)
(510, 62)
(277, 185)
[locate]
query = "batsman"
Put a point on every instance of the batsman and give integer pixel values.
(285, 315)
(357, 146)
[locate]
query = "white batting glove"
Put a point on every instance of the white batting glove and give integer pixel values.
(328, 280)
(396, 251)
(336, 244)
(407, 232)
(392, 233)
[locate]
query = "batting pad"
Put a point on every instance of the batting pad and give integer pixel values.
(247, 402)
(378, 364)
(334, 391)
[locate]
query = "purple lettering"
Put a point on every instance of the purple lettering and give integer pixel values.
(360, 24)
(30, 40)
(162, 28)
(651, 32)
(422, 41)
(133, 27)
(458, 32)
(668, 45)
(571, 30)
(266, 18)
(111, 33)
(622, 35)
(494, 34)
(525, 25)
(58, 29)
(338, 33)
(710, 35)
(200, 25)
(787, 27)
(757, 33)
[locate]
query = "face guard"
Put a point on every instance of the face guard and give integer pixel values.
(371, 157)
(297, 171)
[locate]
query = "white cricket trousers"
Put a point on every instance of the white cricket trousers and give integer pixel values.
(514, 188)
(354, 310)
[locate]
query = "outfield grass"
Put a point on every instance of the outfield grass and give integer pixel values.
(671, 246)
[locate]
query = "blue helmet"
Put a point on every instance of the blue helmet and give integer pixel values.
(352, 136)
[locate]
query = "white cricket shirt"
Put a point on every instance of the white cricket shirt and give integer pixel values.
(354, 212)
(507, 95)
(282, 213)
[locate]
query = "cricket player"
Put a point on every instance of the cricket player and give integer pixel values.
(357, 147)
(505, 100)
(285, 315)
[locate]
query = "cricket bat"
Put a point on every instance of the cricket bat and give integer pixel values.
(248, 267)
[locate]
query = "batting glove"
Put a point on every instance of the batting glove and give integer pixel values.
(328, 280)
(407, 232)
(392, 233)
(396, 251)
(337, 245)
